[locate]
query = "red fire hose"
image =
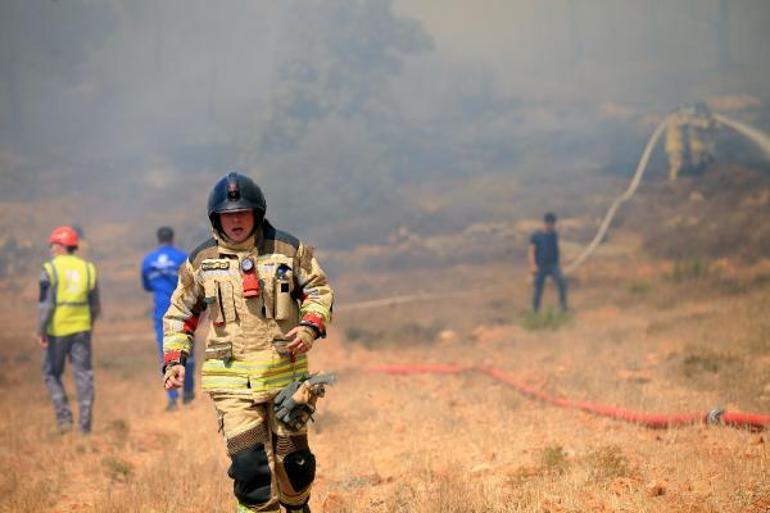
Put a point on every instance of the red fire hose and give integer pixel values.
(650, 420)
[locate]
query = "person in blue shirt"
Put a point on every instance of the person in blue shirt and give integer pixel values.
(544, 261)
(160, 271)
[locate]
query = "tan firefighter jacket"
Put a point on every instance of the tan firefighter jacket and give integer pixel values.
(241, 357)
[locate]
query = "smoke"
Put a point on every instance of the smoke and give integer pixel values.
(336, 105)
(597, 50)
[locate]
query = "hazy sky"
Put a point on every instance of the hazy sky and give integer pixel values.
(139, 95)
(621, 49)
(116, 70)
(127, 81)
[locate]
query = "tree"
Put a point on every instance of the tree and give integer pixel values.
(319, 142)
(335, 58)
(46, 46)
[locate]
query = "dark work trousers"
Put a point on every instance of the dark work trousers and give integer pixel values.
(76, 348)
(555, 272)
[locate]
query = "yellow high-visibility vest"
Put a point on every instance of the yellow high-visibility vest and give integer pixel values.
(72, 278)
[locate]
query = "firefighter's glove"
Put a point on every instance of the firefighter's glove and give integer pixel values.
(173, 369)
(295, 403)
(302, 338)
(174, 376)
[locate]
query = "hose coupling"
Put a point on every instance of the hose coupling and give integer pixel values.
(714, 417)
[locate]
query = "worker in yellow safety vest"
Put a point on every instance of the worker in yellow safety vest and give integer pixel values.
(67, 308)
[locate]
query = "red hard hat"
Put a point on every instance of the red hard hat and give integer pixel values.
(64, 235)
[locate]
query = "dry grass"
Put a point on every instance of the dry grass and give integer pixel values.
(548, 319)
(430, 444)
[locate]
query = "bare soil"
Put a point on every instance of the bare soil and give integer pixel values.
(651, 330)
(436, 443)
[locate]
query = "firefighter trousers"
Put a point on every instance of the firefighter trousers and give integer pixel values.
(271, 464)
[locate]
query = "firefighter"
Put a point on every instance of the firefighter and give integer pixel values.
(68, 306)
(268, 300)
(160, 272)
(701, 138)
(689, 140)
(677, 147)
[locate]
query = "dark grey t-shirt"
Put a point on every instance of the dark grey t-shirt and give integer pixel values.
(546, 248)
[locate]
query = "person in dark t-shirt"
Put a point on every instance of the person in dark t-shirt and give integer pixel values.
(544, 261)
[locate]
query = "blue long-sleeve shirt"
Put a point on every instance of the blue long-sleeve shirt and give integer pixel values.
(160, 271)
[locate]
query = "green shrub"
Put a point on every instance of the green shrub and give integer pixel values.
(554, 460)
(639, 287)
(706, 361)
(549, 319)
(407, 333)
(607, 463)
(117, 469)
(689, 269)
(119, 429)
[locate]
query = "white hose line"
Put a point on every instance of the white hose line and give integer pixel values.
(761, 139)
(758, 137)
(395, 300)
(609, 216)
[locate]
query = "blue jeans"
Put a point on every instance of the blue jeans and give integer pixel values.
(189, 375)
(555, 272)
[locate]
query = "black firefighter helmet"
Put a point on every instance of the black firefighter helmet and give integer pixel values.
(236, 192)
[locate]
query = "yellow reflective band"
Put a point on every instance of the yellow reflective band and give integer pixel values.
(224, 382)
(317, 309)
(245, 509)
(216, 376)
(283, 369)
(176, 341)
(224, 373)
(252, 367)
(176, 345)
(267, 386)
(286, 372)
